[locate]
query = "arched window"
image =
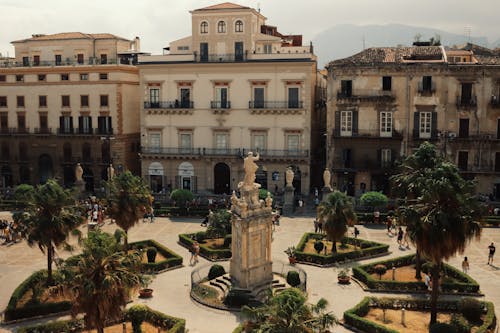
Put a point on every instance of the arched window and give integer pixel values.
(204, 27)
(221, 27)
(238, 26)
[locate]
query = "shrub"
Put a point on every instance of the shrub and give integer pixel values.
(442, 328)
(181, 196)
(427, 267)
(137, 314)
(219, 224)
(380, 270)
(200, 236)
(151, 254)
(472, 309)
(237, 298)
(460, 323)
(227, 240)
(263, 194)
(318, 246)
(293, 278)
(373, 199)
(172, 259)
(216, 271)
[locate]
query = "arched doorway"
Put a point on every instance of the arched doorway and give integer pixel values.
(88, 177)
(297, 179)
(261, 177)
(45, 168)
(69, 176)
(186, 178)
(67, 153)
(24, 175)
(105, 152)
(222, 179)
(6, 176)
(156, 173)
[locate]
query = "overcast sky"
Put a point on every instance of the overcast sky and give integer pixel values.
(157, 22)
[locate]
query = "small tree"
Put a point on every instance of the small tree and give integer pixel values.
(181, 197)
(318, 246)
(219, 224)
(373, 199)
(380, 270)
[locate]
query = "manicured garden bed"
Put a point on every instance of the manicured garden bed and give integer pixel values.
(453, 281)
(32, 298)
(165, 258)
(153, 321)
(210, 248)
(356, 249)
(368, 315)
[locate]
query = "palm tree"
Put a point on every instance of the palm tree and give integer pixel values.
(336, 213)
(288, 312)
(101, 279)
(129, 198)
(409, 184)
(50, 214)
(441, 210)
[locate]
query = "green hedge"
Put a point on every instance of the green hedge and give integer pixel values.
(493, 220)
(365, 249)
(355, 316)
(464, 284)
(181, 211)
(12, 312)
(368, 217)
(156, 318)
(172, 258)
(205, 251)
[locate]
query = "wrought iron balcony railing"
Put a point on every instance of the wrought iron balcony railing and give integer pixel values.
(275, 104)
(169, 105)
(235, 152)
(220, 104)
(466, 103)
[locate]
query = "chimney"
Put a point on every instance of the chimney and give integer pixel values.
(136, 44)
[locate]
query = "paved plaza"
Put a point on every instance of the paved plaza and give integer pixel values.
(171, 289)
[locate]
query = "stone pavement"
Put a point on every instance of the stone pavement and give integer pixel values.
(171, 289)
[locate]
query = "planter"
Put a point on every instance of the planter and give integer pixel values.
(292, 260)
(344, 279)
(146, 293)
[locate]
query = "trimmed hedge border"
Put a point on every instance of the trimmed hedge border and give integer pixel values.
(362, 273)
(367, 249)
(156, 318)
(173, 260)
(13, 313)
(355, 317)
(206, 252)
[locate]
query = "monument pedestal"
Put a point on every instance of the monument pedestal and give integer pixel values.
(80, 188)
(251, 264)
(325, 191)
(288, 199)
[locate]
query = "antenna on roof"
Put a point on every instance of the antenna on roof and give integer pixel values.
(363, 42)
(468, 31)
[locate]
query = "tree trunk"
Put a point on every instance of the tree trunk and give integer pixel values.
(434, 292)
(125, 241)
(334, 247)
(418, 266)
(50, 254)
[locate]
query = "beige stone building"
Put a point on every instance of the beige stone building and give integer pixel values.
(235, 85)
(69, 98)
(384, 102)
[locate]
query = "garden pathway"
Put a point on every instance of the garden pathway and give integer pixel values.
(171, 289)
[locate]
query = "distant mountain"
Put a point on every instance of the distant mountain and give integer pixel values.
(344, 40)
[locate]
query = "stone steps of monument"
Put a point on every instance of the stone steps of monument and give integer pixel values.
(279, 289)
(224, 282)
(218, 285)
(278, 285)
(226, 277)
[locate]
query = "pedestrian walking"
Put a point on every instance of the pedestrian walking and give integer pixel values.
(400, 236)
(196, 249)
(356, 232)
(465, 265)
(316, 226)
(491, 253)
(389, 225)
(320, 227)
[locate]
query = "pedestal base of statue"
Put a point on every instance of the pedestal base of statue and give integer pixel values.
(80, 188)
(251, 264)
(288, 199)
(325, 191)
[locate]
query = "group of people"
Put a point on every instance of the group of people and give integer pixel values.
(9, 231)
(318, 226)
(95, 212)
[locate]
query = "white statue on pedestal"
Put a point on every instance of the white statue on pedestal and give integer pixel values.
(250, 168)
(289, 177)
(79, 172)
(111, 172)
(326, 178)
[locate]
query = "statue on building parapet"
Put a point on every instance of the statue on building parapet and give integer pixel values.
(111, 171)
(269, 200)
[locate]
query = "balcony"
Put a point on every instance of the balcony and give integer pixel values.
(426, 90)
(228, 152)
(21, 130)
(273, 105)
(42, 131)
(220, 104)
(464, 103)
(365, 95)
(65, 62)
(169, 105)
(84, 131)
(369, 134)
(495, 102)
